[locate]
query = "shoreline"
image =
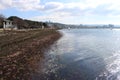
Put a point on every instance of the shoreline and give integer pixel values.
(20, 64)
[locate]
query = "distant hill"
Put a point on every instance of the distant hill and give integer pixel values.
(26, 24)
(19, 22)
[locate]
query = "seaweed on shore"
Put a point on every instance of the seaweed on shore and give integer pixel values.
(20, 61)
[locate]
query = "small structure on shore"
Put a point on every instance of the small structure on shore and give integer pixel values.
(43, 26)
(7, 24)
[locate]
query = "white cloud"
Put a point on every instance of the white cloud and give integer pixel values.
(56, 17)
(52, 6)
(36, 4)
(5, 4)
(59, 11)
(115, 5)
(27, 5)
(74, 11)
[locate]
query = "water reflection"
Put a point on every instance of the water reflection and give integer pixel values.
(84, 54)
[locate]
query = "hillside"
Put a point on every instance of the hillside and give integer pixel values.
(26, 24)
(30, 24)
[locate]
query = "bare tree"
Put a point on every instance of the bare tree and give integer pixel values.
(2, 17)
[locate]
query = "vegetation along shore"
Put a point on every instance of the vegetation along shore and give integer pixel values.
(20, 49)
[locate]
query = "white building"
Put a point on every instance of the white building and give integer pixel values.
(43, 27)
(7, 24)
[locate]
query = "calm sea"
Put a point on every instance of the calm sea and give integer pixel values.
(82, 54)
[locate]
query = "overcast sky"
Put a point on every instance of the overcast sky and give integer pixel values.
(64, 11)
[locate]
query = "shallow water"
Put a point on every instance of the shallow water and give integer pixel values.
(82, 54)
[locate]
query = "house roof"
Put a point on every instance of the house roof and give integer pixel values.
(7, 20)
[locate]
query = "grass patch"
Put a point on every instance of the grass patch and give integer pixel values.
(1, 30)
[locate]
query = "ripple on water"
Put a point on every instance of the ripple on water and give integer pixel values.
(112, 71)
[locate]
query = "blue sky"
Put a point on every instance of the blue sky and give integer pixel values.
(64, 11)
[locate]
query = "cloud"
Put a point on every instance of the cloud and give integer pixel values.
(27, 5)
(5, 4)
(62, 17)
(53, 16)
(52, 6)
(60, 11)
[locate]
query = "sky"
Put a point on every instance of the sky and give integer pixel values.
(64, 11)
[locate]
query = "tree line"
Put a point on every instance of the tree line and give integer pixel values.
(22, 23)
